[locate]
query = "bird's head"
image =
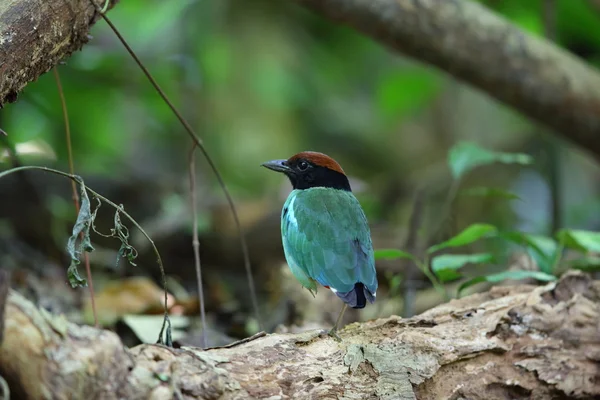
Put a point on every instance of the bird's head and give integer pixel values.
(311, 169)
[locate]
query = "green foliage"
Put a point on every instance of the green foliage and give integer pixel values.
(542, 249)
(586, 263)
(392, 254)
(469, 235)
(394, 282)
(401, 92)
(581, 240)
(547, 252)
(446, 266)
(466, 156)
(507, 275)
(578, 21)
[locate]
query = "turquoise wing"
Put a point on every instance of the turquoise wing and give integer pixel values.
(326, 238)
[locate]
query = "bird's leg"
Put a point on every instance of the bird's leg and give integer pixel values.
(333, 331)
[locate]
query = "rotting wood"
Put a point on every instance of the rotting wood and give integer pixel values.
(511, 342)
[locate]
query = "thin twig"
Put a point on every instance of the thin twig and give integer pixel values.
(166, 322)
(553, 148)
(447, 211)
(424, 267)
(196, 244)
(86, 256)
(410, 245)
(198, 142)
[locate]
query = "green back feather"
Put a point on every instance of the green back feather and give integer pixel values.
(326, 238)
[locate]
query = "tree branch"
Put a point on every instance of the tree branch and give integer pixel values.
(479, 47)
(511, 342)
(35, 35)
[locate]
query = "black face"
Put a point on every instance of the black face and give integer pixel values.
(303, 174)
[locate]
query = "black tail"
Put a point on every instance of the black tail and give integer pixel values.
(361, 300)
(357, 297)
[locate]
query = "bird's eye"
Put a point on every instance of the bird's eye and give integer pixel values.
(302, 165)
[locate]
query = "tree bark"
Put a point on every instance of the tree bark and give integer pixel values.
(35, 35)
(513, 342)
(460, 37)
(481, 48)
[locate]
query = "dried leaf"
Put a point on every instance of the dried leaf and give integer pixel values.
(82, 227)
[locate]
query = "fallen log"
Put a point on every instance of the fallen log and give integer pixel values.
(511, 342)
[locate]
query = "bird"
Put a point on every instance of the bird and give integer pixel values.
(325, 233)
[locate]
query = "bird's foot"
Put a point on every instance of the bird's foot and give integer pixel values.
(331, 333)
(334, 335)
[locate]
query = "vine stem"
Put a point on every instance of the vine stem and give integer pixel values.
(196, 245)
(424, 267)
(197, 142)
(86, 256)
(120, 209)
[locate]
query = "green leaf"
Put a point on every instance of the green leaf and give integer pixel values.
(587, 264)
(541, 248)
(524, 14)
(466, 156)
(483, 191)
(81, 227)
(471, 234)
(507, 275)
(586, 241)
(401, 92)
(446, 265)
(395, 280)
(392, 254)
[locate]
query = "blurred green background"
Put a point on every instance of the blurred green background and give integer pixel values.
(262, 80)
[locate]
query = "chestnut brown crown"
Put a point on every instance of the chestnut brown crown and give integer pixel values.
(310, 169)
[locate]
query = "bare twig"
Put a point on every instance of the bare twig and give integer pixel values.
(410, 245)
(198, 142)
(196, 244)
(446, 214)
(86, 256)
(554, 159)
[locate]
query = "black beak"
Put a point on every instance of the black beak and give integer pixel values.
(278, 165)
